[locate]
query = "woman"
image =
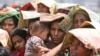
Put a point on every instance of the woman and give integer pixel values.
(56, 33)
(46, 6)
(9, 19)
(80, 45)
(76, 17)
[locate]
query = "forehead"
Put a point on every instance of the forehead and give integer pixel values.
(55, 24)
(80, 15)
(41, 5)
(16, 38)
(8, 20)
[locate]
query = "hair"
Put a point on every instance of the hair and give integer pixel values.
(33, 20)
(15, 20)
(58, 20)
(3, 52)
(39, 25)
(1, 44)
(18, 32)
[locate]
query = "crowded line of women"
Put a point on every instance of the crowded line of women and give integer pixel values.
(49, 28)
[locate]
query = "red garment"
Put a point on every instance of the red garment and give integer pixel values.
(20, 53)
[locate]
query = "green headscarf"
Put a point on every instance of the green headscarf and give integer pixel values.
(67, 23)
(10, 12)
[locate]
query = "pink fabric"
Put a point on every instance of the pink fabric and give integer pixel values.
(89, 37)
(4, 36)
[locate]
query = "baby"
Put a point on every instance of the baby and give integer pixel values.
(39, 35)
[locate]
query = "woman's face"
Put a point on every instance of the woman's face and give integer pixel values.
(56, 33)
(18, 42)
(77, 49)
(42, 8)
(79, 19)
(8, 25)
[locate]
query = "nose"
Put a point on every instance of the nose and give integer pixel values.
(6, 27)
(56, 32)
(78, 24)
(73, 47)
(17, 45)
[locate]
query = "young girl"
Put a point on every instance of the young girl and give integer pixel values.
(40, 33)
(46, 6)
(18, 39)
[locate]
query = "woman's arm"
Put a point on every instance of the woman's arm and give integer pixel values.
(53, 51)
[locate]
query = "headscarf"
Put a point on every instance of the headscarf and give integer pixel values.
(29, 6)
(65, 6)
(51, 4)
(88, 36)
(50, 18)
(67, 23)
(26, 16)
(8, 12)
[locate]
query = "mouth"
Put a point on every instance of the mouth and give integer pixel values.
(73, 54)
(18, 49)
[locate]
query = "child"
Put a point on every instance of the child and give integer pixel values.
(40, 33)
(18, 39)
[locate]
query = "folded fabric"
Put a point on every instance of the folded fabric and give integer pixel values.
(50, 18)
(29, 6)
(88, 36)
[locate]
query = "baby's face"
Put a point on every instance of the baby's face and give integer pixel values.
(44, 34)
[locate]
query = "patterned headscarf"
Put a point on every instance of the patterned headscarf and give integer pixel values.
(8, 12)
(88, 36)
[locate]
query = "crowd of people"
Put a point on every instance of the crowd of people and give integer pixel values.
(49, 28)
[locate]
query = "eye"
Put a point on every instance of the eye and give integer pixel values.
(80, 44)
(60, 30)
(19, 41)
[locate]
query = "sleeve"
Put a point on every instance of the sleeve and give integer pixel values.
(31, 46)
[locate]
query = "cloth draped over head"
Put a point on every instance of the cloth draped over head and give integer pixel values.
(4, 37)
(53, 17)
(88, 36)
(65, 6)
(51, 4)
(67, 23)
(8, 12)
(26, 16)
(29, 6)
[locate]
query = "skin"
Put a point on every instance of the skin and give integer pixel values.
(8, 25)
(42, 8)
(77, 49)
(56, 33)
(79, 19)
(44, 34)
(18, 42)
